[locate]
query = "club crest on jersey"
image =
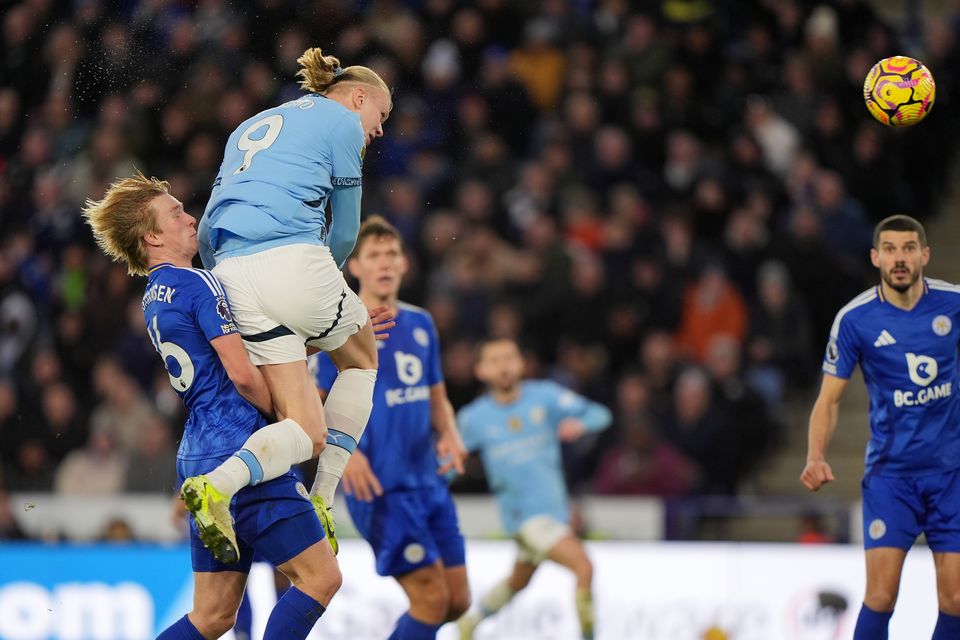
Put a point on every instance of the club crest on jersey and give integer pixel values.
(302, 490)
(877, 529)
(421, 337)
(514, 423)
(942, 325)
(223, 309)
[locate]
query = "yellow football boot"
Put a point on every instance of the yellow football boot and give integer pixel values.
(325, 514)
(211, 512)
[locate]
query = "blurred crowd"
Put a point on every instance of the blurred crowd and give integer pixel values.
(665, 202)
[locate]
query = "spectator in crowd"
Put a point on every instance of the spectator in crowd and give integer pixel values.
(153, 466)
(555, 170)
(641, 462)
(97, 469)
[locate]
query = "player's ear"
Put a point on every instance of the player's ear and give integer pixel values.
(353, 268)
(151, 239)
(925, 254)
(875, 258)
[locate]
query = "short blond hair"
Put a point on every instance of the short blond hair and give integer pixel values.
(376, 226)
(319, 73)
(121, 219)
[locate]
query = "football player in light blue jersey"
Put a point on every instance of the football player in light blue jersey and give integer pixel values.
(904, 335)
(517, 427)
(264, 235)
(226, 438)
(395, 490)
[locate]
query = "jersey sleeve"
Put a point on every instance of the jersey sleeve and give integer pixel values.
(346, 157)
(469, 432)
(434, 367)
(210, 304)
(325, 373)
(568, 404)
(843, 352)
(346, 152)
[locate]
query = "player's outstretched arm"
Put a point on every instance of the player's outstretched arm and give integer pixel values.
(586, 417)
(345, 203)
(450, 448)
(245, 376)
(823, 422)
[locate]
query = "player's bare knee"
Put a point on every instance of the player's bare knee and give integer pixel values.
(434, 597)
(881, 599)
(323, 586)
(949, 603)
(213, 623)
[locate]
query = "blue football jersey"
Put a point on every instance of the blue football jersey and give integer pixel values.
(185, 309)
(519, 447)
(909, 364)
(279, 169)
(399, 438)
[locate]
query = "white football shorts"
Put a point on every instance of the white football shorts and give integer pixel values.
(288, 297)
(537, 536)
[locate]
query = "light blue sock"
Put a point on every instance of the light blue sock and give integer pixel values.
(182, 629)
(948, 627)
(872, 625)
(293, 616)
(409, 628)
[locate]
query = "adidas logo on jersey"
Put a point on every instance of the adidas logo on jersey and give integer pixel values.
(884, 339)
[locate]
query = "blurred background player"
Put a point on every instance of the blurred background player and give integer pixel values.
(517, 427)
(394, 485)
(264, 234)
(904, 334)
(189, 321)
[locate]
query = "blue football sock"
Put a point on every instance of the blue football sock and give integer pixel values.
(293, 616)
(948, 627)
(182, 629)
(243, 627)
(872, 625)
(409, 628)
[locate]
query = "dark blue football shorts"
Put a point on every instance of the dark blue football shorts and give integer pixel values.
(410, 528)
(898, 509)
(274, 520)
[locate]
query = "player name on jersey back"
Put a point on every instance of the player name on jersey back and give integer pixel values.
(157, 293)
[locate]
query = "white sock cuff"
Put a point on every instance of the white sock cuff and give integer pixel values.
(271, 450)
(350, 401)
(304, 445)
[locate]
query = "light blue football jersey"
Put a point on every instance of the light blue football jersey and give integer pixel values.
(185, 309)
(909, 364)
(279, 170)
(520, 450)
(399, 438)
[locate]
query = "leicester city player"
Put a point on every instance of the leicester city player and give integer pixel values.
(904, 335)
(265, 236)
(189, 321)
(517, 427)
(394, 486)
